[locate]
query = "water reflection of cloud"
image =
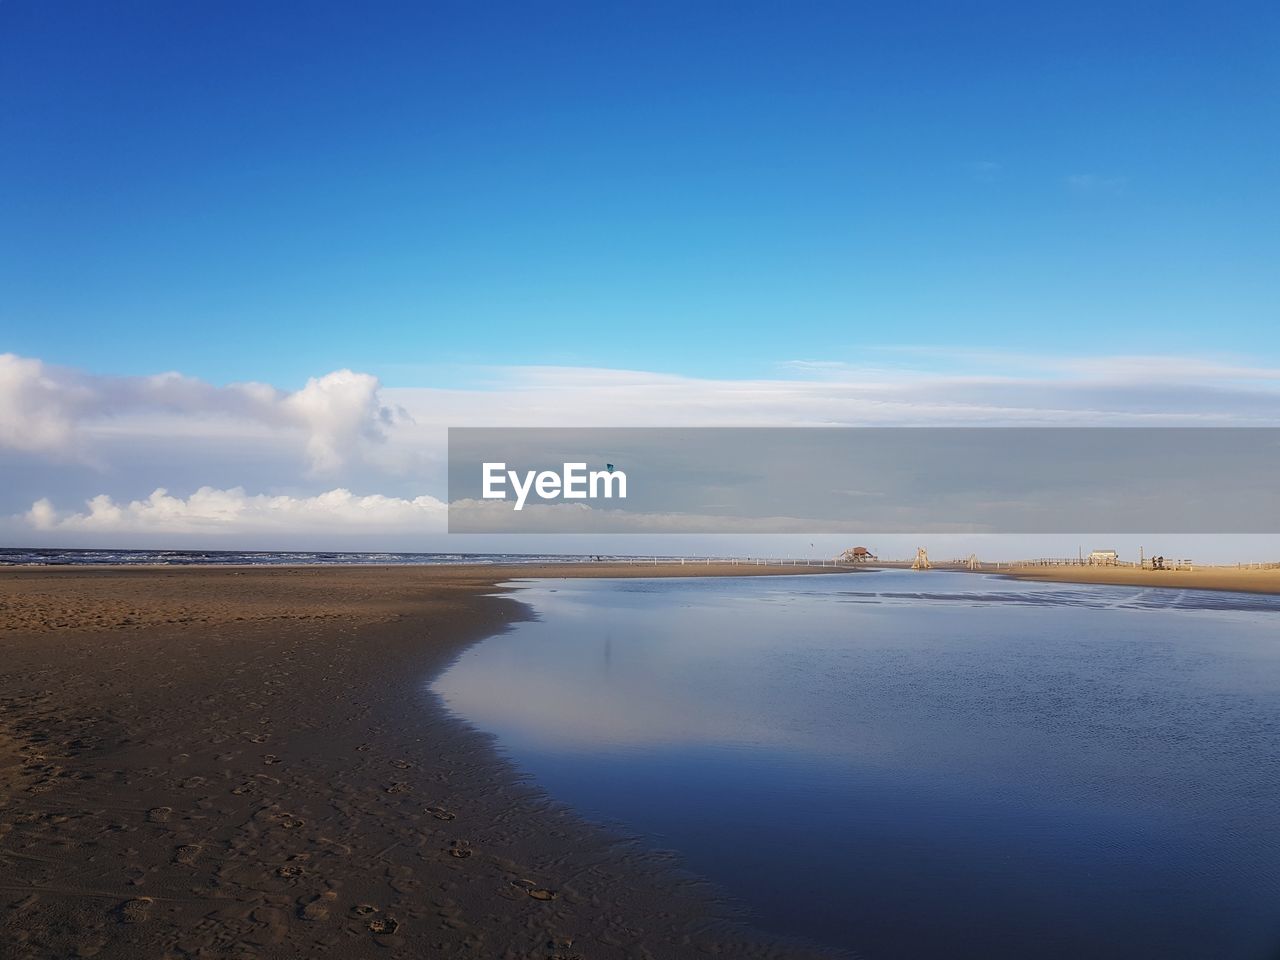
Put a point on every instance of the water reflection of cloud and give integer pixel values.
(669, 666)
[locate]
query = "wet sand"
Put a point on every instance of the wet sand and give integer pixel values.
(1242, 580)
(221, 762)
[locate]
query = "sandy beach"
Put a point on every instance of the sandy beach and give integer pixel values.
(1240, 579)
(201, 762)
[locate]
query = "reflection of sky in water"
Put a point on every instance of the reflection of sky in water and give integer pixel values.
(986, 769)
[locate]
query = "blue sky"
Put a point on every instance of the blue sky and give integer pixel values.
(271, 191)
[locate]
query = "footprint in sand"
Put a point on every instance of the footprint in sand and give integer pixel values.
(192, 782)
(317, 908)
(402, 764)
(440, 813)
(290, 822)
(137, 910)
(187, 854)
(558, 948)
(364, 909)
(532, 889)
(269, 758)
(384, 926)
(398, 788)
(159, 814)
(460, 849)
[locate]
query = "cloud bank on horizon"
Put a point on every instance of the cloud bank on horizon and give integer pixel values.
(172, 460)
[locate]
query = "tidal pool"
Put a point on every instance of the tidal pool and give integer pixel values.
(906, 765)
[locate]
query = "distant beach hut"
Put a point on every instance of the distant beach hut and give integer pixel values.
(857, 555)
(1104, 558)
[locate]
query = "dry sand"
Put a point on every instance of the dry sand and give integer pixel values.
(1207, 578)
(216, 762)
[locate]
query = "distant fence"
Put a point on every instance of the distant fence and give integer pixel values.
(1169, 563)
(1071, 562)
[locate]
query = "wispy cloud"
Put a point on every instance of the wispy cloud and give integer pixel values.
(1093, 183)
(924, 363)
(985, 171)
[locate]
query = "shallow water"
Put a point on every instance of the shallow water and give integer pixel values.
(909, 765)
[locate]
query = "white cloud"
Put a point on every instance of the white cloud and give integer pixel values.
(214, 511)
(38, 408)
(59, 412)
(337, 409)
